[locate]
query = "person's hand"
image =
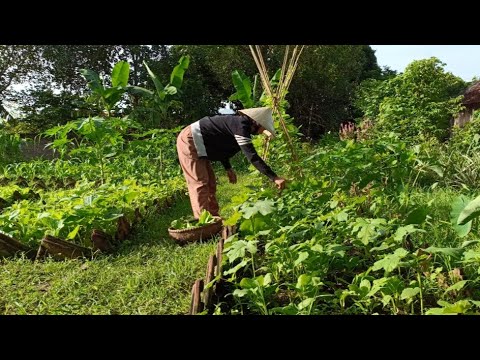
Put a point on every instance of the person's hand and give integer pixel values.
(232, 177)
(280, 182)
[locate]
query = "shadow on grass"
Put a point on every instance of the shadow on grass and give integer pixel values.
(153, 230)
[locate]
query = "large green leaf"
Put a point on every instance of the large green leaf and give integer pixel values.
(390, 262)
(94, 82)
(232, 220)
(120, 74)
(301, 256)
(458, 205)
(471, 211)
(405, 230)
(74, 232)
(454, 252)
(113, 96)
(303, 280)
(248, 283)
(460, 307)
(408, 293)
(417, 216)
(236, 250)
(156, 81)
(140, 91)
(457, 286)
(176, 77)
(244, 89)
(305, 303)
(259, 224)
(367, 229)
(263, 207)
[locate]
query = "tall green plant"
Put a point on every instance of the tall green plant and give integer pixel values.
(161, 100)
(98, 140)
(246, 93)
(108, 97)
(9, 147)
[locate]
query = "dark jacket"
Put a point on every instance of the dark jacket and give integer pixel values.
(225, 135)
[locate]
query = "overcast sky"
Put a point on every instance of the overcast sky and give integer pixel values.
(461, 60)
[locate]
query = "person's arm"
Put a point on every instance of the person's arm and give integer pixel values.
(251, 154)
(244, 140)
(257, 161)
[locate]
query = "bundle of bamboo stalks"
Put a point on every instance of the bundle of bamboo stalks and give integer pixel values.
(277, 94)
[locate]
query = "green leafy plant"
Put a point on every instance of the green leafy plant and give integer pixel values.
(205, 218)
(161, 100)
(9, 147)
(417, 104)
(108, 97)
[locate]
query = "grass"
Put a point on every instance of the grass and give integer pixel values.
(149, 274)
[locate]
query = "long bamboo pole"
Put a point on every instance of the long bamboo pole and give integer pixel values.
(280, 93)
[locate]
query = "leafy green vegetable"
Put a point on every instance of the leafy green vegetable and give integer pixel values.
(205, 218)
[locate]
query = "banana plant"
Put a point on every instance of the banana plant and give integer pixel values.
(247, 94)
(108, 97)
(161, 98)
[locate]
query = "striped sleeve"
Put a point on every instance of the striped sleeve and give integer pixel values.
(243, 140)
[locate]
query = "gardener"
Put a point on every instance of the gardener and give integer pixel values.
(218, 138)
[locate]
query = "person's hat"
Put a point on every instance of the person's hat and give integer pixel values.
(263, 116)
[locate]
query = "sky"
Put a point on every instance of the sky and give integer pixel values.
(461, 60)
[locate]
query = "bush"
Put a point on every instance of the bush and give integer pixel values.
(417, 104)
(9, 147)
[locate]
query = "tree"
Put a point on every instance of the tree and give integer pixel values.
(65, 61)
(44, 108)
(321, 94)
(208, 81)
(417, 104)
(322, 91)
(18, 63)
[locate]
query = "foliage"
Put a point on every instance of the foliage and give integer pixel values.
(189, 222)
(246, 93)
(208, 83)
(44, 108)
(65, 60)
(9, 147)
(17, 63)
(460, 156)
(148, 275)
(417, 104)
(93, 130)
(160, 101)
(108, 97)
(322, 91)
(351, 237)
(466, 139)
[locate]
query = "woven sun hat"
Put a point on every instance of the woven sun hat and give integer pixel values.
(263, 116)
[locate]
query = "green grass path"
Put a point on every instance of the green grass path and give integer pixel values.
(149, 274)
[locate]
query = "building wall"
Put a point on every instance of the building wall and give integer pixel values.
(463, 118)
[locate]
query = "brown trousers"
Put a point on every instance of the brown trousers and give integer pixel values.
(199, 174)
